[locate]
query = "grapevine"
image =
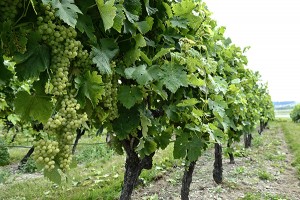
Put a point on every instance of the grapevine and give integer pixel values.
(64, 49)
(149, 72)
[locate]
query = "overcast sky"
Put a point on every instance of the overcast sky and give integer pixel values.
(272, 29)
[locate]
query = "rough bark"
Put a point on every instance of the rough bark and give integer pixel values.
(187, 180)
(79, 134)
(248, 140)
(133, 168)
(231, 157)
(261, 127)
(14, 137)
(26, 157)
(8, 124)
(218, 168)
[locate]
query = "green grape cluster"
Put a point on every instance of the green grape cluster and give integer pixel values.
(64, 157)
(45, 152)
(110, 97)
(64, 124)
(66, 53)
(9, 9)
(83, 59)
(64, 48)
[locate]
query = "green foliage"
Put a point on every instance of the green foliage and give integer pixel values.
(167, 69)
(264, 175)
(4, 174)
(173, 77)
(104, 54)
(127, 122)
(291, 133)
(108, 12)
(53, 175)
(140, 74)
(267, 196)
(33, 62)
(90, 86)
(133, 6)
(66, 10)
(29, 166)
(5, 74)
(91, 153)
(295, 114)
(129, 96)
(33, 107)
(4, 155)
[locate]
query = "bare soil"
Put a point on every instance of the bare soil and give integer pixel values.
(262, 172)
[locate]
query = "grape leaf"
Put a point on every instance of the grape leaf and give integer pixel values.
(38, 107)
(150, 147)
(162, 52)
(149, 9)
(13, 118)
(146, 147)
(140, 41)
(33, 62)
(53, 175)
(102, 55)
(236, 81)
(188, 102)
(145, 26)
(85, 24)
(133, 6)
(145, 122)
(129, 28)
(218, 84)
(180, 145)
(119, 19)
(158, 88)
(163, 139)
(130, 16)
(140, 74)
(108, 12)
(194, 149)
(3, 105)
(179, 22)
(66, 10)
(172, 113)
(5, 74)
(145, 58)
(214, 132)
(184, 7)
(129, 96)
(173, 76)
(194, 81)
(132, 55)
(128, 120)
(90, 86)
(168, 9)
(218, 106)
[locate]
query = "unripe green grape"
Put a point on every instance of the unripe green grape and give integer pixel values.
(40, 159)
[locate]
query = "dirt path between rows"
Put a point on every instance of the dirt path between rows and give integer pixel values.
(263, 172)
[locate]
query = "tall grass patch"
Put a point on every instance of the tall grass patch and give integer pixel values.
(292, 135)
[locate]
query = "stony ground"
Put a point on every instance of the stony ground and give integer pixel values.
(262, 172)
